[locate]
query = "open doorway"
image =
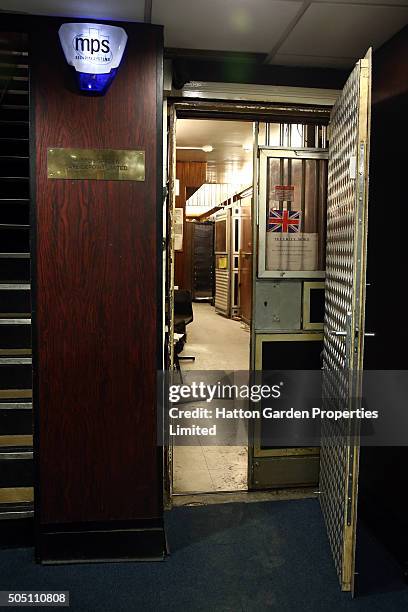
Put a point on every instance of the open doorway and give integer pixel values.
(227, 301)
(212, 282)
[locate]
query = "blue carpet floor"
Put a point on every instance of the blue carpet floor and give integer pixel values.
(232, 557)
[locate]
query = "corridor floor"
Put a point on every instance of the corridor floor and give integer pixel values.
(218, 344)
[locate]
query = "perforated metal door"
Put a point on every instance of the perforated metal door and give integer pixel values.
(344, 311)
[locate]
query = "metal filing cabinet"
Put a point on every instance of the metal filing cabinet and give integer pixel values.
(222, 300)
(227, 245)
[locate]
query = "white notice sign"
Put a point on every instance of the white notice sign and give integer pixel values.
(291, 251)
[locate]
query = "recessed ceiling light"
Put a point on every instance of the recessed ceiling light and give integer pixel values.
(205, 148)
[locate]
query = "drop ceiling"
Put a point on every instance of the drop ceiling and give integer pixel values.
(132, 10)
(286, 32)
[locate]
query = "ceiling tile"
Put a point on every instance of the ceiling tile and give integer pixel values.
(228, 25)
(342, 31)
(92, 9)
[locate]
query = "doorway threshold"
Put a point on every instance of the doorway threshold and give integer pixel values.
(207, 499)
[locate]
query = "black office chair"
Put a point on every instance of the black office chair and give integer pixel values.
(183, 315)
(183, 310)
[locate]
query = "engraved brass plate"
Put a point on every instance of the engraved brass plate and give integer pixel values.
(97, 164)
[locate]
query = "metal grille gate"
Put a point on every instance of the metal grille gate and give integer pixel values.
(344, 311)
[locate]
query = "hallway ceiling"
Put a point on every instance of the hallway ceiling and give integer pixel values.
(288, 32)
(228, 162)
(226, 137)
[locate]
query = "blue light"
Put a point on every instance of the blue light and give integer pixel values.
(96, 83)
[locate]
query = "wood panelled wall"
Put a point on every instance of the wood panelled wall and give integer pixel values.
(97, 296)
(386, 468)
(390, 66)
(190, 174)
(387, 169)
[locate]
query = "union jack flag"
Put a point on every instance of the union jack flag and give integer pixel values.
(284, 221)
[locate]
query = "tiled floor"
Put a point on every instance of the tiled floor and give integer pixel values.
(205, 469)
(217, 344)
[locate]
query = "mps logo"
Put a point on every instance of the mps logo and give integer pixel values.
(95, 51)
(93, 45)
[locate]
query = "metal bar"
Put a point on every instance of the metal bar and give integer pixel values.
(10, 441)
(12, 456)
(16, 287)
(16, 494)
(15, 321)
(309, 153)
(25, 200)
(15, 351)
(15, 393)
(16, 226)
(196, 107)
(15, 361)
(16, 406)
(321, 212)
(15, 514)
(14, 157)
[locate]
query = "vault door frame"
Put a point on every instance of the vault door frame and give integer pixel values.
(170, 267)
(171, 260)
(240, 111)
(344, 323)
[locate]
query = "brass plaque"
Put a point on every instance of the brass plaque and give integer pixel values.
(97, 164)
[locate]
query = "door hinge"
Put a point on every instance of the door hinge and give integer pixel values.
(361, 175)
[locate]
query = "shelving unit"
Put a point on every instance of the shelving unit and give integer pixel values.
(16, 442)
